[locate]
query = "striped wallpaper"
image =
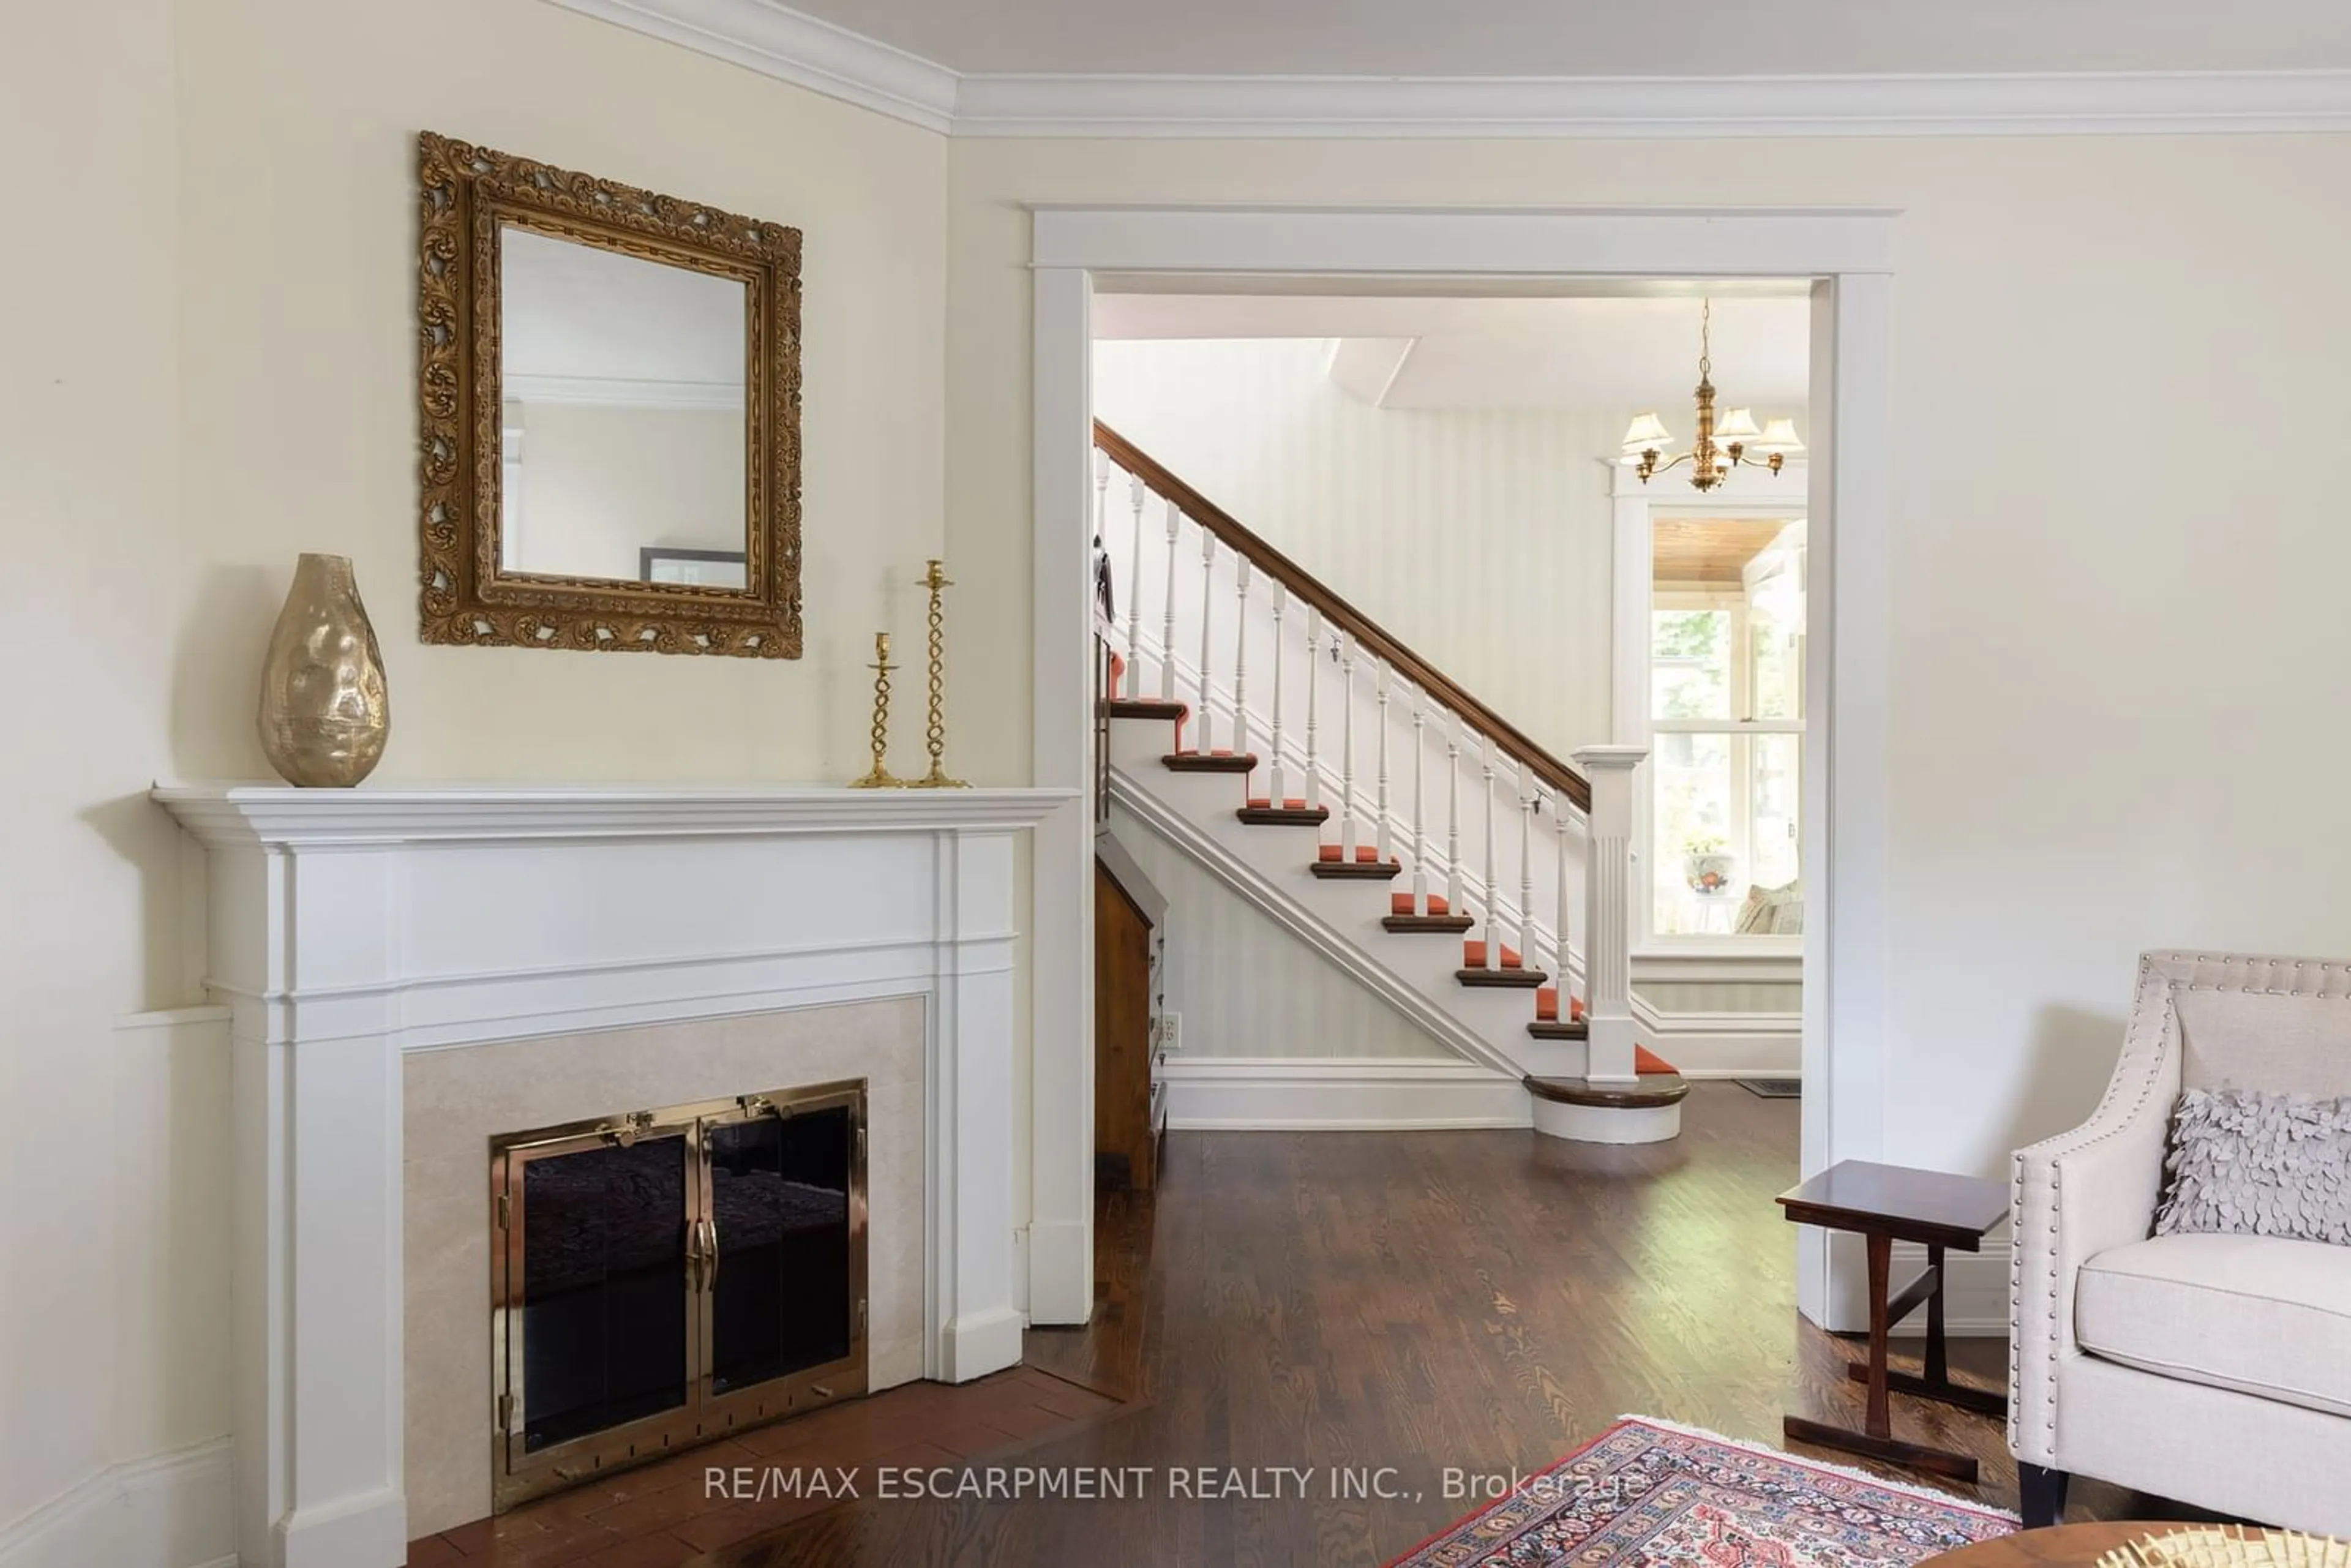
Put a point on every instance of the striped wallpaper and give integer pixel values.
(1480, 538)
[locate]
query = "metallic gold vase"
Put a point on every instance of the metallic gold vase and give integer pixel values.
(324, 714)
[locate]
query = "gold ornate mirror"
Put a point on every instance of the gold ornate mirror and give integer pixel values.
(609, 385)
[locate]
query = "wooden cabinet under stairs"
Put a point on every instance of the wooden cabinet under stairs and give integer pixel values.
(1130, 998)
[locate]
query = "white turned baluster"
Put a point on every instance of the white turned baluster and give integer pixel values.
(1380, 836)
(1525, 866)
(1313, 685)
(1277, 797)
(1168, 626)
(1559, 910)
(1493, 872)
(1452, 812)
(1419, 803)
(1346, 747)
(1240, 651)
(1207, 619)
(1134, 597)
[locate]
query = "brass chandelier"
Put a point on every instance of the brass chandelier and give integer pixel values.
(1724, 443)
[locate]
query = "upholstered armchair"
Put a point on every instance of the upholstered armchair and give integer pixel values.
(2215, 1370)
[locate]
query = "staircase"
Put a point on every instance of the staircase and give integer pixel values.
(1355, 793)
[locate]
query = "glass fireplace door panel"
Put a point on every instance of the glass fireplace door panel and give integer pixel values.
(779, 1190)
(604, 1335)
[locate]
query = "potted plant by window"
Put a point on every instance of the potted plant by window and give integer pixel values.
(1709, 867)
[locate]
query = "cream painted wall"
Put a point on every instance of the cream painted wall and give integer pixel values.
(208, 369)
(1478, 537)
(90, 929)
(297, 256)
(1244, 986)
(2116, 632)
(599, 482)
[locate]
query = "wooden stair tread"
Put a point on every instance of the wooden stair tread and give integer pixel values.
(1260, 816)
(1552, 1028)
(1506, 975)
(1651, 1089)
(1357, 871)
(1452, 924)
(1210, 762)
(1147, 707)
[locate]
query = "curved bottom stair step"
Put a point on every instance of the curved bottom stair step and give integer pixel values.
(1651, 1090)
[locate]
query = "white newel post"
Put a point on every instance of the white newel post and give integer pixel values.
(1608, 910)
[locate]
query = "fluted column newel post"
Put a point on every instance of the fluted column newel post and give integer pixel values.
(1608, 911)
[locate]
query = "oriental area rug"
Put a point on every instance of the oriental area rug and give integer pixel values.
(1647, 1494)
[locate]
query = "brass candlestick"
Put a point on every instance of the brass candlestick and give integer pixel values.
(881, 778)
(935, 733)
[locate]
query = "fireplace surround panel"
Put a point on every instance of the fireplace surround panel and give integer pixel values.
(459, 1100)
(412, 968)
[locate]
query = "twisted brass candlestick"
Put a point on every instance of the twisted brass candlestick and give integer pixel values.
(881, 778)
(935, 733)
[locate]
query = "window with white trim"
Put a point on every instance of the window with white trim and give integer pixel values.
(1725, 661)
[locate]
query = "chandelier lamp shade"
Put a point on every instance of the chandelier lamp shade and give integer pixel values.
(1726, 441)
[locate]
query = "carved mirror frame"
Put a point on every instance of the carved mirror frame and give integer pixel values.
(467, 194)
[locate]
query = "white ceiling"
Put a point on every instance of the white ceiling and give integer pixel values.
(1508, 353)
(1601, 37)
(573, 312)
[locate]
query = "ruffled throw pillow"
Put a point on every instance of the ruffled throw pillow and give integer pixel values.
(2248, 1163)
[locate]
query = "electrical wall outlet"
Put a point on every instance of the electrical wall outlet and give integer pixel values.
(1171, 1031)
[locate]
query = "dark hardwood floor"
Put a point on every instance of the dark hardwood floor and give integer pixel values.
(1482, 1301)
(1397, 1302)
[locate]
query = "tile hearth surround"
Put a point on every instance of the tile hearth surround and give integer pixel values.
(351, 930)
(457, 1099)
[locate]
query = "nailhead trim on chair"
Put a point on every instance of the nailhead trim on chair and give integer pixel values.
(2147, 1039)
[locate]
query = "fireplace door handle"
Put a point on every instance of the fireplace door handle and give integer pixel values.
(710, 1253)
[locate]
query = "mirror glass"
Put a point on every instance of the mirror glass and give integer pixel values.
(621, 382)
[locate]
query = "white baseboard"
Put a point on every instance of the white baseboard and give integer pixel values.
(1233, 1093)
(172, 1511)
(1726, 1045)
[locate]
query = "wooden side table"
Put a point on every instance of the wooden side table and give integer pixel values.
(1885, 1204)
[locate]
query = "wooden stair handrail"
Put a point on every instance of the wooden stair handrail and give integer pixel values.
(1339, 613)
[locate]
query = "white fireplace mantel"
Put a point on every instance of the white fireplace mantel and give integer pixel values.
(350, 926)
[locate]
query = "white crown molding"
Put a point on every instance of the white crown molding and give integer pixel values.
(785, 44)
(622, 392)
(797, 49)
(1496, 107)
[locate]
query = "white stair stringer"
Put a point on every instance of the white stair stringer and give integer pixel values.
(1338, 918)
